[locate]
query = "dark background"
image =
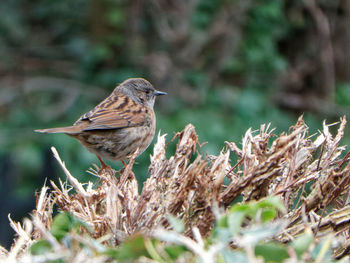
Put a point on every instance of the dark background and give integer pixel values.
(226, 65)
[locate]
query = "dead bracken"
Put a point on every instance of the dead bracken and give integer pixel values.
(191, 187)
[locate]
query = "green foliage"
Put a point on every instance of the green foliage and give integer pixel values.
(176, 224)
(342, 94)
(265, 26)
(132, 249)
(175, 251)
(40, 247)
(205, 13)
(272, 252)
(302, 243)
(64, 223)
(263, 211)
(244, 224)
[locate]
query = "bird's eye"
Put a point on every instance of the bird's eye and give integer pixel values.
(148, 91)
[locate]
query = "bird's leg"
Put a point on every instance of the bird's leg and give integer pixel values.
(124, 167)
(105, 169)
(103, 164)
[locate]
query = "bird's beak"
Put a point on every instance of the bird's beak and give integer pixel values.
(159, 93)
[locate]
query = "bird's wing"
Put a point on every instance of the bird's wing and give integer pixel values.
(115, 112)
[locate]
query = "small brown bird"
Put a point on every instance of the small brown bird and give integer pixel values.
(120, 124)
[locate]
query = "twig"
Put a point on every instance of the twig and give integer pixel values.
(75, 183)
(46, 234)
(23, 238)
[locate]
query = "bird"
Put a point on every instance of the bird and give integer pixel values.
(120, 125)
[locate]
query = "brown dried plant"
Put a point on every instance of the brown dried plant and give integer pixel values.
(310, 174)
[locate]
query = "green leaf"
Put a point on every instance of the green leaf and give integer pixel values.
(176, 223)
(268, 208)
(222, 234)
(174, 251)
(322, 251)
(268, 215)
(272, 252)
(61, 225)
(131, 249)
(233, 256)
(272, 202)
(64, 223)
(223, 221)
(254, 234)
(40, 247)
(235, 220)
(248, 209)
(302, 243)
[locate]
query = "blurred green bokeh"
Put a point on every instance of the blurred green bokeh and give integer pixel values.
(226, 65)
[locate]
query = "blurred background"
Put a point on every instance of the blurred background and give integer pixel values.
(227, 65)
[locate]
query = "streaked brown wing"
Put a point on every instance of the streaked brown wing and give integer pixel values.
(119, 112)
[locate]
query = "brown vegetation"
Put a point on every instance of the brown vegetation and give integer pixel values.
(306, 171)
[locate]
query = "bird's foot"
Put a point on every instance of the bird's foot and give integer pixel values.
(104, 167)
(103, 164)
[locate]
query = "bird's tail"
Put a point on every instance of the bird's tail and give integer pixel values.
(69, 130)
